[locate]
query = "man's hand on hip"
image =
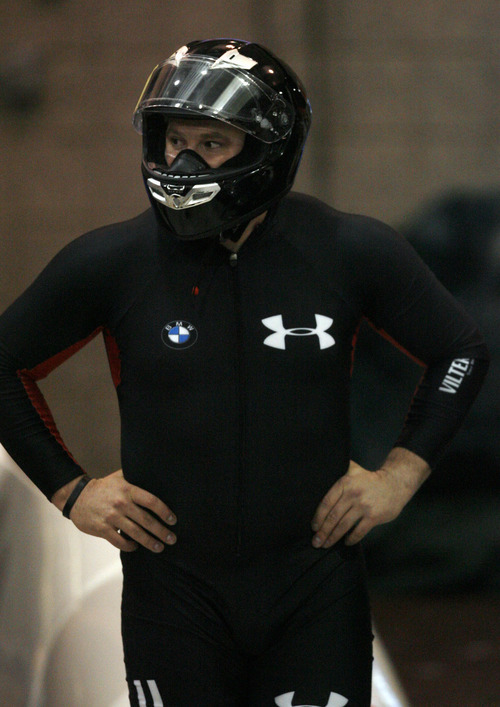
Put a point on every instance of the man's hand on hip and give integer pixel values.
(362, 499)
(111, 506)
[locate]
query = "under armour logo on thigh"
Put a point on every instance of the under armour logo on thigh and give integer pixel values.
(278, 339)
(286, 700)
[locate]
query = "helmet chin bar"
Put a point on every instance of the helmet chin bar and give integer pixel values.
(182, 196)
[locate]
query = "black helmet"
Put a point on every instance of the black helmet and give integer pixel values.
(246, 86)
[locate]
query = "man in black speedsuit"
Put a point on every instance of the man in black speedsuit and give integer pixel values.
(230, 310)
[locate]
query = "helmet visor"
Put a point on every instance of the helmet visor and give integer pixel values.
(222, 89)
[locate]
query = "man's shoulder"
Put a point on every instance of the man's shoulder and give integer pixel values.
(108, 254)
(118, 239)
(307, 218)
(303, 209)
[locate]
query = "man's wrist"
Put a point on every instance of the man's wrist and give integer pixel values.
(74, 495)
(61, 496)
(410, 469)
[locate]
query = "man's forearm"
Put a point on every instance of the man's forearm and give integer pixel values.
(407, 468)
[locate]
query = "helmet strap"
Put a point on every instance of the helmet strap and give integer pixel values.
(234, 234)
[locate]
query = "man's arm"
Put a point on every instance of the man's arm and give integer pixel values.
(418, 315)
(59, 313)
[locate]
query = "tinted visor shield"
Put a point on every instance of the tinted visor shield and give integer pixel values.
(214, 88)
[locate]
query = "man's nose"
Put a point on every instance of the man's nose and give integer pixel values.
(188, 162)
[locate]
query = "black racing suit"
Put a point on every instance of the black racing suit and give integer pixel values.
(233, 374)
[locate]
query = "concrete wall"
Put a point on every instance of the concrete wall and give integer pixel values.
(405, 99)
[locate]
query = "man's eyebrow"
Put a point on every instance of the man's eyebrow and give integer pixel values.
(216, 134)
(202, 135)
(213, 134)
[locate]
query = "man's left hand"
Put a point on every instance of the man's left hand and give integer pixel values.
(362, 499)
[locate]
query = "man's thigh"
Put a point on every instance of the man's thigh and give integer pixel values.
(174, 667)
(326, 662)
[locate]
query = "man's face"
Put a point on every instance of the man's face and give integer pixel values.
(216, 142)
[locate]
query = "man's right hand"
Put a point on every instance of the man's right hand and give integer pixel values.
(110, 506)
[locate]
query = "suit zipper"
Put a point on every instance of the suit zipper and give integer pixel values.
(241, 397)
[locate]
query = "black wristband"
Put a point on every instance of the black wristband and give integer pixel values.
(74, 495)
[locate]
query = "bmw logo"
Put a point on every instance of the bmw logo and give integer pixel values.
(179, 335)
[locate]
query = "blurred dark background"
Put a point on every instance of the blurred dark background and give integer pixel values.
(405, 103)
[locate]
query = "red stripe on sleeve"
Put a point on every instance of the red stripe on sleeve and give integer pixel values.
(113, 357)
(395, 343)
(29, 378)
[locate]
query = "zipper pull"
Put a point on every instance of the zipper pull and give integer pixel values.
(233, 260)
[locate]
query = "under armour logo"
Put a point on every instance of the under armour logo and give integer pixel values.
(277, 340)
(286, 700)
